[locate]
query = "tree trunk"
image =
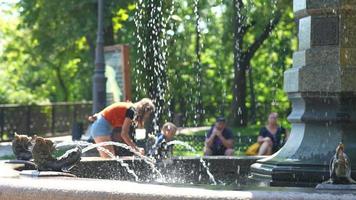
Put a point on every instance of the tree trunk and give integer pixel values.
(252, 96)
(62, 84)
(242, 59)
(239, 88)
(240, 110)
(108, 25)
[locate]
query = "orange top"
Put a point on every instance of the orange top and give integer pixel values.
(115, 113)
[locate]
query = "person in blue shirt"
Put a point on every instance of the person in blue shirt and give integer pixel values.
(166, 135)
(272, 136)
(219, 140)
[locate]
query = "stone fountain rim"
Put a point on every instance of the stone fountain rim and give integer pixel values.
(89, 189)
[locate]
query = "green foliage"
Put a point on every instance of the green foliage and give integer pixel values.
(48, 54)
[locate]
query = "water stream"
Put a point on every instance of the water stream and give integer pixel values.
(112, 156)
(202, 161)
(149, 161)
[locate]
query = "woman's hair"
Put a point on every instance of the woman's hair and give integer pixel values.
(273, 113)
(144, 106)
(169, 126)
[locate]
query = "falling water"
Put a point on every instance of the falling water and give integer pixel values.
(71, 144)
(151, 29)
(198, 69)
(274, 103)
(211, 177)
(237, 54)
(178, 142)
(149, 161)
(122, 163)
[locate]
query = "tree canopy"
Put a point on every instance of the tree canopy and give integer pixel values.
(48, 48)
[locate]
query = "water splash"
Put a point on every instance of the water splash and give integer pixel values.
(186, 145)
(121, 161)
(147, 160)
(202, 161)
(211, 177)
(99, 148)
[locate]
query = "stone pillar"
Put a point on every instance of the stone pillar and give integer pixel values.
(322, 88)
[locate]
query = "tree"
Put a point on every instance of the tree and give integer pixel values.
(187, 65)
(61, 39)
(244, 53)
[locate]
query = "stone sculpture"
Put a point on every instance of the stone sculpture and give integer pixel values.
(21, 147)
(340, 167)
(42, 155)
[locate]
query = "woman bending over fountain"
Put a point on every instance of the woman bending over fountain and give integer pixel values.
(270, 137)
(123, 116)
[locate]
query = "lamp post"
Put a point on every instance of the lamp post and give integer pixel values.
(99, 79)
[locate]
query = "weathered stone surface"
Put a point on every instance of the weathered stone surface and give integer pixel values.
(317, 7)
(318, 31)
(291, 80)
(92, 189)
(304, 34)
(317, 56)
(348, 30)
(325, 31)
(325, 186)
(36, 173)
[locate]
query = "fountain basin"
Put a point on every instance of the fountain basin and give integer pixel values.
(93, 189)
(232, 170)
(176, 170)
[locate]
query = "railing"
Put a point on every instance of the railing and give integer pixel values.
(53, 119)
(58, 119)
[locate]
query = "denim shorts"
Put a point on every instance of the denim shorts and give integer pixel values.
(101, 127)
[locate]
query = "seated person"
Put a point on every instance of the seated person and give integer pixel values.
(166, 135)
(270, 137)
(219, 140)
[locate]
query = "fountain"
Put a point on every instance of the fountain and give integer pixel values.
(321, 86)
(322, 89)
(175, 172)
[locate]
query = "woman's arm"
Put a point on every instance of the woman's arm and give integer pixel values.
(261, 136)
(125, 134)
(93, 118)
(260, 139)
